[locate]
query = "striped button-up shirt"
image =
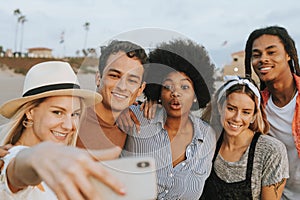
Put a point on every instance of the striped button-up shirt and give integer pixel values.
(186, 179)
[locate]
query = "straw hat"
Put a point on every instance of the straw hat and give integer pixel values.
(53, 78)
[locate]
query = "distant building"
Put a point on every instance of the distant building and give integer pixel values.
(40, 52)
(237, 66)
(8, 53)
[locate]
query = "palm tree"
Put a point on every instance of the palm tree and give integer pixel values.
(22, 19)
(17, 13)
(86, 28)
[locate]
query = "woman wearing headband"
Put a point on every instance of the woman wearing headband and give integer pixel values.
(248, 164)
(48, 113)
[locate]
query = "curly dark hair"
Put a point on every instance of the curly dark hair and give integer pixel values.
(132, 51)
(285, 38)
(183, 56)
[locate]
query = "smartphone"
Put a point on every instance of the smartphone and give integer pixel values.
(138, 174)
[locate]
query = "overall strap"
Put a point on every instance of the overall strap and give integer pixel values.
(218, 145)
(251, 156)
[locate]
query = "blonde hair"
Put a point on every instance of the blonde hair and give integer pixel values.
(11, 132)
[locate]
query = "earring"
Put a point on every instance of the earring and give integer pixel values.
(27, 123)
(195, 100)
(159, 100)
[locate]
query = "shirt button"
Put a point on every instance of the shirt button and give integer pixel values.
(171, 175)
(166, 191)
(183, 164)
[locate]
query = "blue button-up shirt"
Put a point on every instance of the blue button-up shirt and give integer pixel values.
(186, 179)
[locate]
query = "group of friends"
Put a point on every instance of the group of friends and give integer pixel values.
(245, 144)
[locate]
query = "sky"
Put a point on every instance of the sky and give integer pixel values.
(221, 26)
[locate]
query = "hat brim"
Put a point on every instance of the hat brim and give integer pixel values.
(9, 108)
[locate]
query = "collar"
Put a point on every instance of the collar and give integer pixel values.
(198, 125)
(266, 93)
(295, 124)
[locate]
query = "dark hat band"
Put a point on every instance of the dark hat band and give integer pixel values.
(48, 88)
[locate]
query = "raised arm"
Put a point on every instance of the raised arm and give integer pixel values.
(149, 107)
(64, 169)
(127, 119)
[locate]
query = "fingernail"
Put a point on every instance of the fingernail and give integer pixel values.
(122, 191)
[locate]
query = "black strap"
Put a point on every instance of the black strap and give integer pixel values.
(218, 146)
(51, 88)
(251, 156)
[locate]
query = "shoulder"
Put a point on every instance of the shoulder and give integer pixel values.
(270, 142)
(199, 122)
(270, 146)
(271, 160)
(203, 129)
(7, 159)
(12, 153)
(15, 149)
(159, 114)
(89, 116)
(137, 111)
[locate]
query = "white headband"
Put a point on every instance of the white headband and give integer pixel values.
(235, 80)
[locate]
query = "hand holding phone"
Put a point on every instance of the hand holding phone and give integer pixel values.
(137, 173)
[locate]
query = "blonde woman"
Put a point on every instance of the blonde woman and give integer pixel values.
(46, 118)
(248, 163)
